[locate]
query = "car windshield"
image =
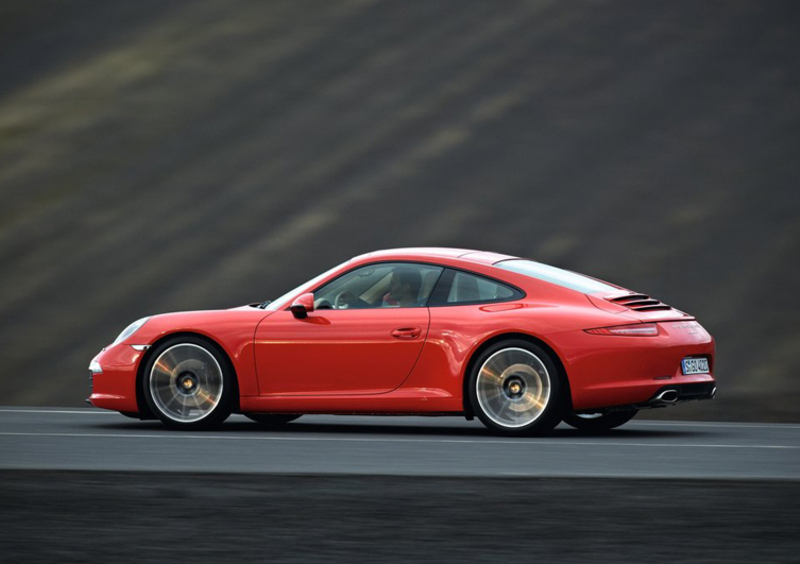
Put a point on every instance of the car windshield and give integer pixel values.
(565, 278)
(301, 289)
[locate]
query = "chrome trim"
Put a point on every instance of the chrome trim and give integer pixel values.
(668, 396)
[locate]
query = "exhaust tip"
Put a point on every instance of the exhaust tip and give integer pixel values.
(668, 396)
(714, 392)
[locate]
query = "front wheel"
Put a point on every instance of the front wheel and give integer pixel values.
(188, 384)
(598, 421)
(515, 389)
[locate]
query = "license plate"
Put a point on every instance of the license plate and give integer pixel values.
(695, 366)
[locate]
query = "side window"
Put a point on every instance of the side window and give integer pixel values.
(458, 287)
(380, 285)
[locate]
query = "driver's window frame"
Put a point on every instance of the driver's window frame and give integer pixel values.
(419, 264)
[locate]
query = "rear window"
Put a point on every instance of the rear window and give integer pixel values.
(467, 288)
(565, 278)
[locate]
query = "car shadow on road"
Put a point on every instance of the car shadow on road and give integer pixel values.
(398, 429)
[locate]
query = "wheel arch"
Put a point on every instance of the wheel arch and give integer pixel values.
(144, 409)
(555, 357)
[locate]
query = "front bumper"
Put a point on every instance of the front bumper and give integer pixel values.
(113, 378)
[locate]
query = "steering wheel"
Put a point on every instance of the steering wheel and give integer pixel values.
(324, 304)
(345, 300)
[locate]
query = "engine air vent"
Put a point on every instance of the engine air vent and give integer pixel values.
(639, 302)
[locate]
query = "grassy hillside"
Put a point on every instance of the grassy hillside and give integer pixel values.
(159, 156)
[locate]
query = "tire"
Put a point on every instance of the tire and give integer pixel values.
(189, 384)
(515, 389)
(272, 420)
(598, 421)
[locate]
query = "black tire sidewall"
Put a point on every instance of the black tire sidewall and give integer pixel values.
(223, 408)
(548, 420)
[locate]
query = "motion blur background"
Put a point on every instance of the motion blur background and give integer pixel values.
(158, 156)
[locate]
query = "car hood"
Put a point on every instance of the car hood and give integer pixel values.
(206, 322)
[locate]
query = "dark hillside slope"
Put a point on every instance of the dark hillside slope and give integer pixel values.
(158, 156)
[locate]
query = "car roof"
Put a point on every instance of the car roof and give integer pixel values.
(422, 253)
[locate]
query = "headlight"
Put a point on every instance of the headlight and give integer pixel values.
(130, 330)
(94, 366)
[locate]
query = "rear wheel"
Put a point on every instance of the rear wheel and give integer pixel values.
(271, 419)
(598, 421)
(188, 384)
(515, 389)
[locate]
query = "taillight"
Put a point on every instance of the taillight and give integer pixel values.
(635, 330)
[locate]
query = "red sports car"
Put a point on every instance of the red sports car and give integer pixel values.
(519, 344)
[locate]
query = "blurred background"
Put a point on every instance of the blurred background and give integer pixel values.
(159, 156)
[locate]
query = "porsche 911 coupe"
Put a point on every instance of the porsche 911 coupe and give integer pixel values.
(428, 331)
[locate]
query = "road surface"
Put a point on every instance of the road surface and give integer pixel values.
(84, 485)
(90, 439)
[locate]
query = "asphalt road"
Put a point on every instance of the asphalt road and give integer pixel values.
(83, 485)
(89, 439)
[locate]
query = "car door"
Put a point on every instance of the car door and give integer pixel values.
(360, 339)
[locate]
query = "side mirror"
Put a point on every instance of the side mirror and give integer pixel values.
(302, 306)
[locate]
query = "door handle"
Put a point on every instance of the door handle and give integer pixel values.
(406, 332)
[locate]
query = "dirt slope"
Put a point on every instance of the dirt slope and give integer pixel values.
(161, 156)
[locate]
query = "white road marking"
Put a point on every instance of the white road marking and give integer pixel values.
(715, 424)
(518, 442)
(629, 426)
(81, 412)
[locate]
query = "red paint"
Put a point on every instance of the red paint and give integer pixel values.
(413, 360)
(338, 351)
(302, 306)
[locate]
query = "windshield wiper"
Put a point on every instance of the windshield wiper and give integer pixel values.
(263, 305)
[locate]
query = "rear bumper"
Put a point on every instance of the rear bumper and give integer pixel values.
(115, 387)
(670, 395)
(618, 371)
(684, 392)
